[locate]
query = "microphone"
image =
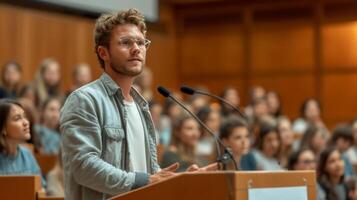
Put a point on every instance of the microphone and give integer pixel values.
(227, 155)
(191, 91)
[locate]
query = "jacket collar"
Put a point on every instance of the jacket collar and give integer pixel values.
(113, 88)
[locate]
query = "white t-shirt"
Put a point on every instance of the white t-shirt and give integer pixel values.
(136, 138)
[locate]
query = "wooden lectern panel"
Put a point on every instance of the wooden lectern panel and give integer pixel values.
(19, 187)
(229, 185)
(207, 186)
(264, 179)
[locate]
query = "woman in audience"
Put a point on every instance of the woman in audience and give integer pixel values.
(302, 159)
(47, 83)
(206, 145)
(274, 104)
(287, 140)
(231, 95)
(170, 113)
(352, 151)
(314, 139)
(342, 139)
(267, 148)
(14, 130)
(144, 82)
(310, 115)
(47, 132)
(331, 176)
(81, 76)
(234, 134)
(10, 80)
(185, 137)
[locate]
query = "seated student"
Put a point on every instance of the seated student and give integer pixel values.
(331, 176)
(47, 133)
(314, 139)
(352, 151)
(206, 146)
(342, 139)
(14, 130)
(234, 134)
(267, 147)
(287, 140)
(303, 159)
(185, 137)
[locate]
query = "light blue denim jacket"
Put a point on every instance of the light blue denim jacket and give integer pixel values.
(96, 158)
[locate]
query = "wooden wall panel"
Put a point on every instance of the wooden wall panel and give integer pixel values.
(282, 45)
(339, 97)
(214, 47)
(293, 90)
(339, 45)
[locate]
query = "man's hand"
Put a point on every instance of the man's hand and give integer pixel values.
(164, 173)
(207, 168)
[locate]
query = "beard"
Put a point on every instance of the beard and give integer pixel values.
(124, 70)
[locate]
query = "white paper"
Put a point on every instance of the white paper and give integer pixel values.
(278, 193)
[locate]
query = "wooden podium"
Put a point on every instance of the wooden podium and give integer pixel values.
(222, 185)
(19, 187)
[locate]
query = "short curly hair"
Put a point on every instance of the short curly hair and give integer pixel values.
(107, 22)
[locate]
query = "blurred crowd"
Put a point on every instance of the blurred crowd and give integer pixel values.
(265, 139)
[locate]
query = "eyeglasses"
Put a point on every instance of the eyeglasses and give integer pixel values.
(128, 42)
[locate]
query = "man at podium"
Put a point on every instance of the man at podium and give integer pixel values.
(108, 137)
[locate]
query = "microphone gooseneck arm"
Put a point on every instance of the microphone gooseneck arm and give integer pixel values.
(224, 159)
(191, 91)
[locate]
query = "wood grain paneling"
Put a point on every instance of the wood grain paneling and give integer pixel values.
(211, 47)
(282, 45)
(339, 96)
(339, 45)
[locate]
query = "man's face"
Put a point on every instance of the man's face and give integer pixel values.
(123, 58)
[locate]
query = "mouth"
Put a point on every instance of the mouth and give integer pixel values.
(136, 59)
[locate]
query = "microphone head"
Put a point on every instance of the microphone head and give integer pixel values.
(163, 91)
(187, 90)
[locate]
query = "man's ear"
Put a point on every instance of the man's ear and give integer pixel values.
(103, 52)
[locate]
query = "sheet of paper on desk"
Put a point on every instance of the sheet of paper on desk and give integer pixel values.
(278, 193)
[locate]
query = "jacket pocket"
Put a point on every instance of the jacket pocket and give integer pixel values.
(113, 145)
(114, 133)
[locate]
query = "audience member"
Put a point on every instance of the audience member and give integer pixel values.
(234, 134)
(331, 176)
(10, 80)
(267, 148)
(15, 130)
(47, 83)
(47, 132)
(185, 137)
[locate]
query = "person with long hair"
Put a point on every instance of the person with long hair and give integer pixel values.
(15, 130)
(47, 82)
(267, 147)
(10, 80)
(287, 140)
(314, 139)
(47, 131)
(331, 176)
(185, 137)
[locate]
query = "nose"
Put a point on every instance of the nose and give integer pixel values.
(26, 122)
(135, 48)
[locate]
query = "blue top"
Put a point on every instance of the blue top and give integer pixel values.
(23, 163)
(48, 140)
